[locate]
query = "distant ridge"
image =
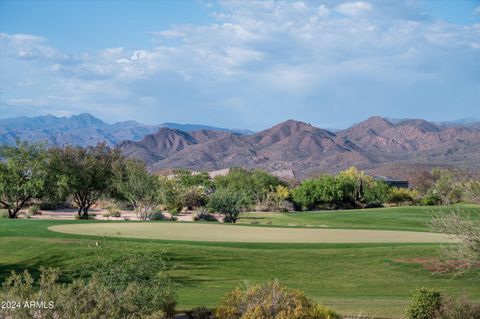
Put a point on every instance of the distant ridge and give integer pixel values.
(84, 129)
(292, 148)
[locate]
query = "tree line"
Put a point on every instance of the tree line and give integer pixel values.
(33, 172)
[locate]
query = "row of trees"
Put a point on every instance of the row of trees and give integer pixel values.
(85, 175)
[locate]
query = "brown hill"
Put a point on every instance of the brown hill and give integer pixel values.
(306, 150)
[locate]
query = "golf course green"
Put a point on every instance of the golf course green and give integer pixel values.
(354, 278)
(235, 233)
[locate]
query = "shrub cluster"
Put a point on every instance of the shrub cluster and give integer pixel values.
(270, 301)
(429, 303)
(125, 288)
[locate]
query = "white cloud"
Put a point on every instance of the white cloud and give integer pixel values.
(354, 8)
(25, 46)
(476, 11)
(269, 54)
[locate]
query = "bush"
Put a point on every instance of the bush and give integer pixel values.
(270, 301)
(326, 191)
(204, 215)
(425, 304)
(129, 287)
(83, 216)
(157, 216)
(112, 211)
(228, 203)
(431, 198)
(402, 195)
(34, 210)
(48, 205)
(200, 313)
(3, 214)
(459, 308)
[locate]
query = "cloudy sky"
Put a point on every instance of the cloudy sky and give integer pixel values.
(247, 64)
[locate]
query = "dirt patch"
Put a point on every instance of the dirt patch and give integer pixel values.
(435, 264)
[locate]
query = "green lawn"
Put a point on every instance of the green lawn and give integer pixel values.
(373, 279)
(415, 218)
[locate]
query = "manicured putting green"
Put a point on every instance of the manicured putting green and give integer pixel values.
(253, 234)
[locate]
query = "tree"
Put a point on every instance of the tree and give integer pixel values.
(172, 196)
(325, 190)
(87, 173)
(360, 182)
(23, 175)
(228, 203)
(193, 187)
(133, 183)
(256, 184)
(376, 192)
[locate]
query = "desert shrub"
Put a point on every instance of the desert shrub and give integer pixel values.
(34, 210)
(459, 308)
(228, 203)
(402, 195)
(375, 193)
(204, 215)
(200, 313)
(125, 288)
(270, 301)
(374, 204)
(326, 191)
(431, 198)
(84, 217)
(425, 304)
(254, 184)
(158, 216)
(112, 211)
(49, 205)
(465, 255)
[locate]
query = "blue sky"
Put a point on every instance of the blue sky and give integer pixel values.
(247, 64)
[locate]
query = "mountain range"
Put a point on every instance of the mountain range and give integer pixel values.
(84, 129)
(293, 149)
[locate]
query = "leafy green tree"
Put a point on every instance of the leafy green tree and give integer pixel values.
(256, 184)
(186, 178)
(172, 195)
(359, 182)
(325, 190)
(87, 173)
(133, 183)
(23, 175)
(376, 192)
(228, 203)
(193, 187)
(447, 186)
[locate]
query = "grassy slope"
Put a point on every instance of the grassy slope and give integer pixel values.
(351, 278)
(415, 218)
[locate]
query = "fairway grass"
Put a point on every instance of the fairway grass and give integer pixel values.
(412, 218)
(374, 279)
(233, 233)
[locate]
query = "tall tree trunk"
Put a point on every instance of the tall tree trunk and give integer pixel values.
(13, 212)
(80, 208)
